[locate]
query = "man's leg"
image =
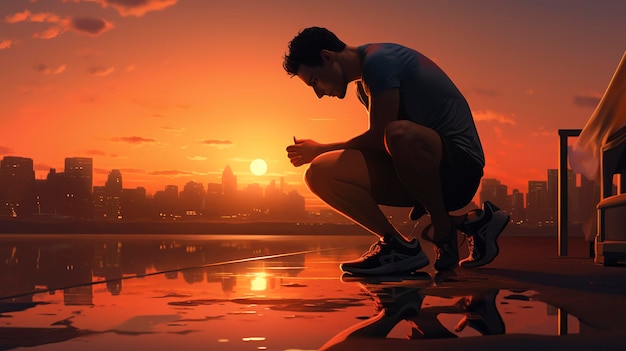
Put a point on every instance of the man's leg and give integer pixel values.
(416, 152)
(341, 179)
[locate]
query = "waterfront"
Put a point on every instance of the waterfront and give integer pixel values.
(279, 292)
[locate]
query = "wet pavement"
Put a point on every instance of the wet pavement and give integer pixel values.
(258, 292)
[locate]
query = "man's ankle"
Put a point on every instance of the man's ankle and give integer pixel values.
(445, 234)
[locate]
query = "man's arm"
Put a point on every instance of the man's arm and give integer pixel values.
(384, 108)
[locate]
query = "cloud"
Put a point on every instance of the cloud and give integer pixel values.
(197, 158)
(91, 26)
(100, 71)
(50, 33)
(173, 129)
(132, 140)
(27, 16)
(216, 142)
(220, 144)
(589, 100)
(170, 173)
(17, 17)
(133, 170)
(94, 152)
(50, 70)
(136, 8)
(240, 159)
(5, 150)
(60, 25)
(44, 17)
(84, 25)
(489, 115)
(5, 44)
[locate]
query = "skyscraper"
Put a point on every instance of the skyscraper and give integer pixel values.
(192, 198)
(496, 192)
(113, 195)
(78, 176)
(166, 202)
(17, 186)
(518, 212)
(537, 202)
(81, 170)
(229, 182)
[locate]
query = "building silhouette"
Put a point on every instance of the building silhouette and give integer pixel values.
(229, 192)
(71, 195)
(492, 190)
(78, 183)
(134, 204)
(192, 199)
(113, 195)
(518, 210)
(166, 202)
(213, 200)
(17, 187)
(229, 182)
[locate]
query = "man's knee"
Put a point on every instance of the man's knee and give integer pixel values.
(317, 175)
(347, 166)
(405, 137)
(397, 135)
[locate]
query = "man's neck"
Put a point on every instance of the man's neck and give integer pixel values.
(351, 63)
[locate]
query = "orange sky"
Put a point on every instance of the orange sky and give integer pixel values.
(170, 91)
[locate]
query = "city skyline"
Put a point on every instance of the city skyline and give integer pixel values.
(171, 91)
(72, 193)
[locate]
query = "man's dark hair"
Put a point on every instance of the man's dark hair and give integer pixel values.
(305, 48)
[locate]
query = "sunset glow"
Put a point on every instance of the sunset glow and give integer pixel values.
(173, 91)
(258, 167)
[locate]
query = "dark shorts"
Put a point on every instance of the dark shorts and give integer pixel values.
(460, 178)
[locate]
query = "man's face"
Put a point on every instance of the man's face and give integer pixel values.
(326, 80)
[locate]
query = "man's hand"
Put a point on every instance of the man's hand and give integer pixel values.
(303, 151)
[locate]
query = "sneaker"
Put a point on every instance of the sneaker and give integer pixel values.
(482, 234)
(401, 302)
(481, 314)
(388, 255)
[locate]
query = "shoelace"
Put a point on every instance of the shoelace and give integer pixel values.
(374, 249)
(471, 246)
(473, 249)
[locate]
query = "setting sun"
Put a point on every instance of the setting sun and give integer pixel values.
(258, 167)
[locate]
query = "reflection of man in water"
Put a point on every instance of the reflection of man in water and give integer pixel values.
(399, 304)
(421, 149)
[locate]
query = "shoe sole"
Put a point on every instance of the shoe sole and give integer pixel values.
(499, 222)
(386, 278)
(403, 266)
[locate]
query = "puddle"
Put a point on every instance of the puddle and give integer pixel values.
(151, 294)
(491, 312)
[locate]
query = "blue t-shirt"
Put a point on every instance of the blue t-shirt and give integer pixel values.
(427, 95)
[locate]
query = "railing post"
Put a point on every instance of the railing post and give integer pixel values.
(562, 205)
